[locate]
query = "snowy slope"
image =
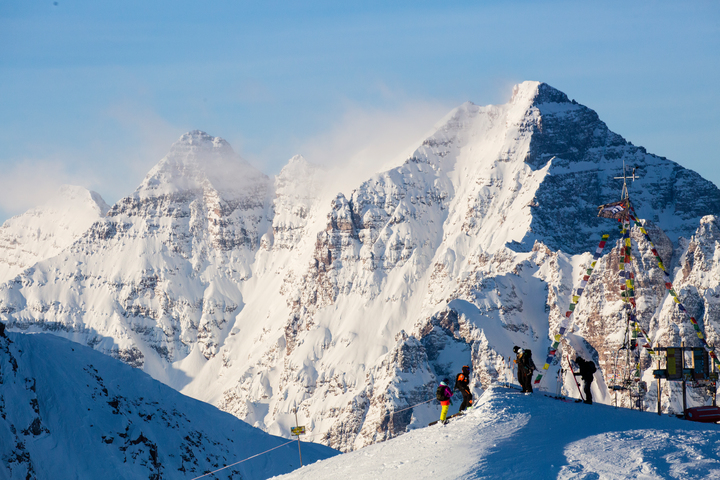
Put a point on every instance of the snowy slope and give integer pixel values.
(513, 436)
(259, 294)
(44, 231)
(70, 412)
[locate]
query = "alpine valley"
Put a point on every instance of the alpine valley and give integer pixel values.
(260, 294)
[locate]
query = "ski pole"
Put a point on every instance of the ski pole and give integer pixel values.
(575, 379)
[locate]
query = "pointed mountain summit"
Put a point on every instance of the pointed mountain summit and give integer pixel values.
(199, 161)
(166, 262)
(588, 158)
(201, 187)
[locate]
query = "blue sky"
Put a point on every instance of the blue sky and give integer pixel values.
(94, 93)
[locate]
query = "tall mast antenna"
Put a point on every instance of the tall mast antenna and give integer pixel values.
(625, 178)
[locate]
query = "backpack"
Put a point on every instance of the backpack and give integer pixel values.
(441, 393)
(591, 368)
(527, 360)
(527, 357)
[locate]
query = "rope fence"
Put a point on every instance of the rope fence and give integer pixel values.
(245, 460)
(307, 437)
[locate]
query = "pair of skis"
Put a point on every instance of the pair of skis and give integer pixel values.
(448, 418)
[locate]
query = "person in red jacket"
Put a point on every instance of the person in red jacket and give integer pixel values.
(444, 394)
(462, 383)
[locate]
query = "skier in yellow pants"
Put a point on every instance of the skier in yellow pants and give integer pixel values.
(444, 394)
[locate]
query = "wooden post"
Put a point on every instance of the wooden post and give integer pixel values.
(297, 425)
(684, 396)
(659, 390)
(712, 370)
(682, 355)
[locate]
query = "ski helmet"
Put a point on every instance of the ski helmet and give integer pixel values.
(516, 349)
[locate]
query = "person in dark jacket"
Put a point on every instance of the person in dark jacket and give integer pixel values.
(525, 367)
(520, 371)
(587, 370)
(444, 394)
(462, 383)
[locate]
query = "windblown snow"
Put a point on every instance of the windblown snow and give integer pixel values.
(260, 294)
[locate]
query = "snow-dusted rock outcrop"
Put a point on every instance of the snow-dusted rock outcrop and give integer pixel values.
(261, 296)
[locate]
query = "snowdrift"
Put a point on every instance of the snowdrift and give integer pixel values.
(511, 435)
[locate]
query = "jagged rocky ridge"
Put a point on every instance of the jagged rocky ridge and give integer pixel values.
(257, 294)
(69, 412)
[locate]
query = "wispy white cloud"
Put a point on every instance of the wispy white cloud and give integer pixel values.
(148, 138)
(112, 165)
(365, 141)
(361, 142)
(31, 182)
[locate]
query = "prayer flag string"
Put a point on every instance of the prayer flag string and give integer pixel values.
(573, 302)
(671, 290)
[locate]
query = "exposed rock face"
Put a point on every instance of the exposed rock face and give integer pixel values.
(588, 157)
(261, 296)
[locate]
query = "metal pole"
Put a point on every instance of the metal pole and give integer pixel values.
(297, 425)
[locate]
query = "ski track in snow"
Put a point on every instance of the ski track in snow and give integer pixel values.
(514, 436)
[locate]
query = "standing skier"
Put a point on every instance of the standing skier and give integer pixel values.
(462, 383)
(587, 370)
(444, 394)
(525, 368)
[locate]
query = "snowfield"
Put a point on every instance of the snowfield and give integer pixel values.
(510, 435)
(69, 412)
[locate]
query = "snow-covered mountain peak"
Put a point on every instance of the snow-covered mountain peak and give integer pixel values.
(298, 189)
(299, 180)
(68, 195)
(198, 161)
(296, 169)
(199, 140)
(537, 93)
(44, 231)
